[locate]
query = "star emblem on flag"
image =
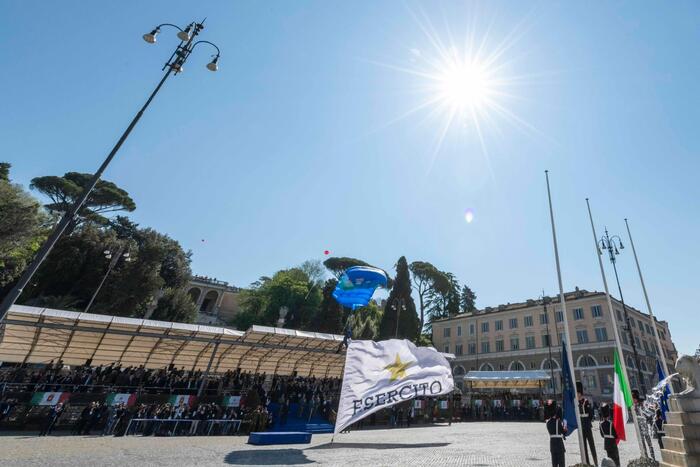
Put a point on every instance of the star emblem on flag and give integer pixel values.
(397, 368)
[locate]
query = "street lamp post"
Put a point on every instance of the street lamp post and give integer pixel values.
(397, 305)
(114, 259)
(173, 65)
(613, 245)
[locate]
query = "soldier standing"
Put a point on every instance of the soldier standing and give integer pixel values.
(585, 410)
(659, 428)
(607, 431)
(556, 434)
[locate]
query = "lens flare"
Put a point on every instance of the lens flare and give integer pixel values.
(469, 216)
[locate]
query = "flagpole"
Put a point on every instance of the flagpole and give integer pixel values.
(661, 354)
(613, 319)
(569, 352)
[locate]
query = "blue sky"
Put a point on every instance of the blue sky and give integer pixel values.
(296, 146)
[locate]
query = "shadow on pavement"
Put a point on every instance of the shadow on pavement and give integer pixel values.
(267, 457)
(378, 445)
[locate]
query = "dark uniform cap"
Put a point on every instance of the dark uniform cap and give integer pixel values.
(605, 410)
(579, 387)
(550, 408)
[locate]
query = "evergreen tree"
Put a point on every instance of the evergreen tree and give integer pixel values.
(400, 303)
(330, 315)
(468, 299)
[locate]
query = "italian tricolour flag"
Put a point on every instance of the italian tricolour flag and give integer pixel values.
(622, 400)
(187, 400)
(49, 398)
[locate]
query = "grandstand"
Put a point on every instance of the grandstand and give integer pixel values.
(41, 335)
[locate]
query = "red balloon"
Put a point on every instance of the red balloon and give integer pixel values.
(326, 252)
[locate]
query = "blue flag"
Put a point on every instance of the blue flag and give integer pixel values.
(570, 406)
(663, 401)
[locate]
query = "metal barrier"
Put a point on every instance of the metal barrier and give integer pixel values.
(188, 427)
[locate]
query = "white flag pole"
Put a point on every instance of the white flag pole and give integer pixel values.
(569, 353)
(613, 319)
(660, 350)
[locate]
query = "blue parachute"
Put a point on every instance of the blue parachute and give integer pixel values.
(357, 285)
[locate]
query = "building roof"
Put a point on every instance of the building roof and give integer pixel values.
(507, 379)
(39, 335)
(569, 296)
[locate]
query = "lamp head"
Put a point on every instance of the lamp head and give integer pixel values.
(184, 35)
(151, 36)
(213, 65)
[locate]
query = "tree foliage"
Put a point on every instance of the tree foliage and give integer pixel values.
(365, 321)
(468, 299)
(290, 288)
(338, 265)
(77, 264)
(425, 276)
(63, 191)
(23, 227)
(331, 313)
(175, 305)
(400, 307)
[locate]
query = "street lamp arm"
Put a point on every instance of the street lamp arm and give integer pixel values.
(218, 52)
(171, 25)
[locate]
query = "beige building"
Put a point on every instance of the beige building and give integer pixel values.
(217, 301)
(520, 336)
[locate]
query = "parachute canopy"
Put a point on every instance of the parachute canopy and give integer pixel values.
(357, 285)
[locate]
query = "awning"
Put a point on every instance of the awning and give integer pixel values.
(40, 335)
(507, 379)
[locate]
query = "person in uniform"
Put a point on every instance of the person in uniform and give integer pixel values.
(585, 410)
(607, 431)
(659, 428)
(556, 431)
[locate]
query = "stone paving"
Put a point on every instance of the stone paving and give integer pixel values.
(473, 444)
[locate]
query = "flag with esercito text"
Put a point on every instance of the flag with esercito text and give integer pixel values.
(381, 374)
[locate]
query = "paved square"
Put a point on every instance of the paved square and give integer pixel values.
(473, 444)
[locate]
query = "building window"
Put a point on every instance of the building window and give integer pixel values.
(561, 337)
(530, 342)
(637, 341)
(499, 325)
(619, 314)
(499, 345)
(501, 366)
(472, 329)
(590, 382)
(641, 325)
(532, 365)
(528, 321)
(597, 311)
(646, 346)
(459, 331)
(546, 342)
(485, 347)
(458, 350)
(606, 359)
(559, 316)
(446, 332)
(648, 329)
(513, 323)
(514, 343)
(582, 336)
(601, 334)
(472, 348)
(662, 335)
(485, 327)
(446, 349)
(544, 319)
(624, 338)
(578, 314)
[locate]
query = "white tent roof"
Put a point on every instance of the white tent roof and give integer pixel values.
(39, 335)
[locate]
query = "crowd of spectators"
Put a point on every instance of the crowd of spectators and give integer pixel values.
(258, 393)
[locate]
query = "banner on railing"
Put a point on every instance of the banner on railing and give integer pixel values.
(232, 401)
(187, 400)
(49, 398)
(115, 398)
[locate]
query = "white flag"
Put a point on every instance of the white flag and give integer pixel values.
(381, 374)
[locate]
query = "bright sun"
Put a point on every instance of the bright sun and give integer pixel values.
(463, 85)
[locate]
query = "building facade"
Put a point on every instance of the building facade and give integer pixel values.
(522, 336)
(217, 301)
